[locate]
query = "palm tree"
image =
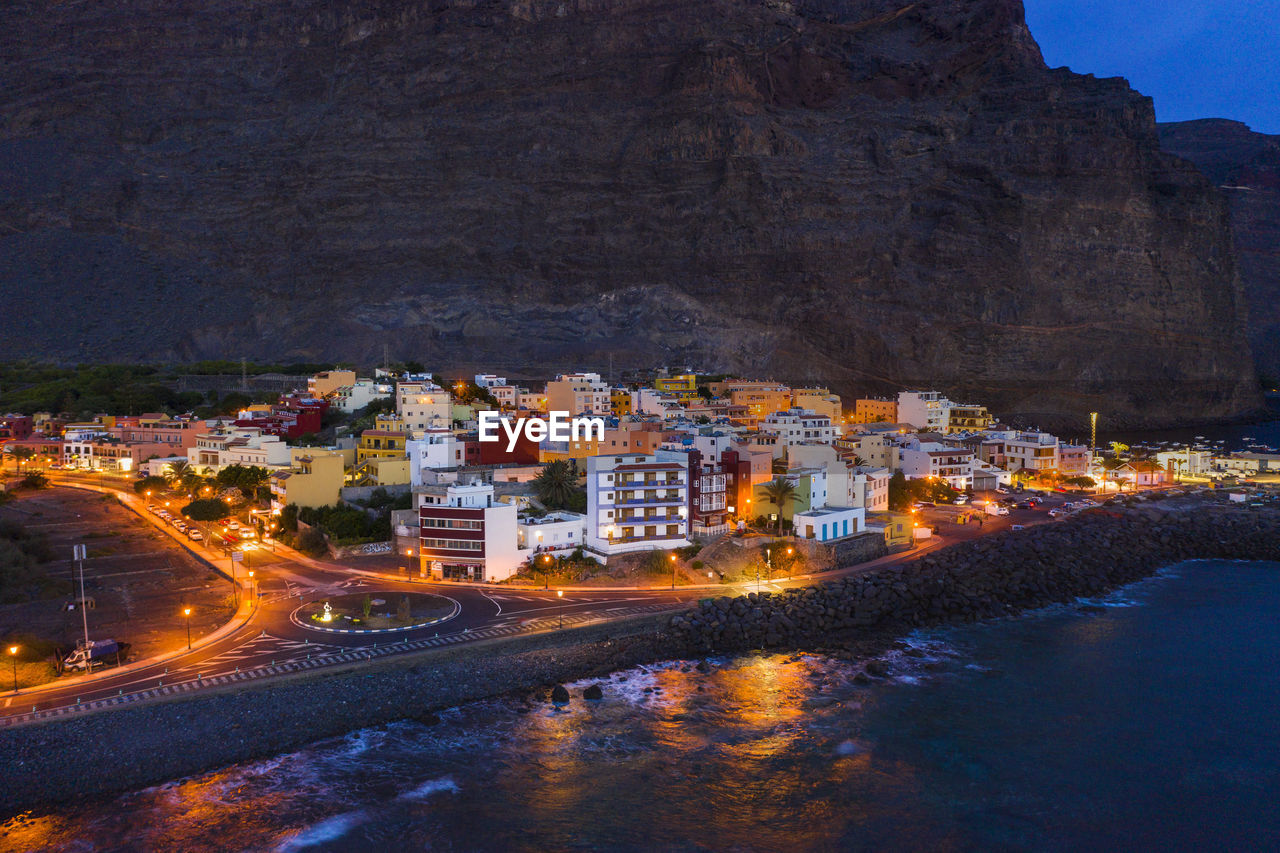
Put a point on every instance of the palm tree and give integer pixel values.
(556, 484)
(178, 471)
(779, 490)
(20, 454)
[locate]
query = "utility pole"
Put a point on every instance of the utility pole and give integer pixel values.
(78, 554)
(1093, 432)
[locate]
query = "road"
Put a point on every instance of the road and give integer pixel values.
(266, 640)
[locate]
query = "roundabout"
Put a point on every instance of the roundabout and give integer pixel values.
(375, 612)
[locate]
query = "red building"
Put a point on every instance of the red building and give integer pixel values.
(15, 427)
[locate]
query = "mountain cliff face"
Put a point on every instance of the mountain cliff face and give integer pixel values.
(1246, 168)
(865, 193)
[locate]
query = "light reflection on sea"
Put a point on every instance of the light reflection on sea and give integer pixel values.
(1084, 726)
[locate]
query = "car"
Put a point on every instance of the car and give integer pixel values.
(1054, 513)
(194, 535)
(927, 503)
(235, 525)
(1018, 527)
(179, 526)
(224, 521)
(246, 533)
(961, 500)
(1001, 490)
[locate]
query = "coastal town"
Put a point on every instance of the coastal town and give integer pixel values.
(678, 463)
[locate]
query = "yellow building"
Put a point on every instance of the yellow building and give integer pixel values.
(897, 528)
(874, 409)
(383, 472)
(560, 451)
(315, 478)
(820, 401)
(327, 383)
(381, 444)
(620, 402)
(760, 402)
(683, 386)
(389, 422)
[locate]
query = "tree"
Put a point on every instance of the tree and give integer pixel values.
(150, 484)
(366, 606)
(20, 455)
(899, 492)
(34, 480)
(556, 485)
(779, 491)
(206, 509)
(312, 543)
(246, 478)
(1081, 482)
(178, 471)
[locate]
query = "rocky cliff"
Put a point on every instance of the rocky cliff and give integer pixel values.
(1246, 168)
(861, 192)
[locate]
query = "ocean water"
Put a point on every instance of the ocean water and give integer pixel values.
(1142, 721)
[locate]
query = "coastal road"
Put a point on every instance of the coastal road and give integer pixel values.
(269, 639)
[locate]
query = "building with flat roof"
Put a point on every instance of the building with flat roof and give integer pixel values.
(466, 534)
(636, 503)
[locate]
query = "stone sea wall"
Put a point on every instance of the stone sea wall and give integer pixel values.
(998, 575)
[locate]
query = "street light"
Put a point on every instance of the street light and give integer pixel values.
(559, 597)
(546, 569)
(673, 571)
(13, 654)
(186, 611)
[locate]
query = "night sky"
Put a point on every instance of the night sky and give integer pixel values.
(1196, 58)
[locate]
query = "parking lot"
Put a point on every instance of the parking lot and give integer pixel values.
(137, 579)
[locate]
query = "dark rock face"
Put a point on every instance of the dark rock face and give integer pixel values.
(861, 192)
(1246, 168)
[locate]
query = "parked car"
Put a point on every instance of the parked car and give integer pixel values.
(195, 535)
(1001, 490)
(180, 526)
(961, 500)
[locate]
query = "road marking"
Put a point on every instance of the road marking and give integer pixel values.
(496, 603)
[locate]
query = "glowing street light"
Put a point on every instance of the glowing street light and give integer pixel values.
(13, 655)
(673, 571)
(559, 596)
(546, 569)
(186, 611)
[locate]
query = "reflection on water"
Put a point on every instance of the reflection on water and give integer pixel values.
(1109, 726)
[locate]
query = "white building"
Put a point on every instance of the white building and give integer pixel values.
(927, 411)
(433, 450)
(649, 401)
(508, 396)
(579, 394)
(488, 380)
(829, 523)
(353, 398)
(798, 425)
(636, 503)
(929, 459)
(465, 534)
(1035, 451)
(1186, 462)
(848, 485)
(423, 405)
(239, 446)
(554, 533)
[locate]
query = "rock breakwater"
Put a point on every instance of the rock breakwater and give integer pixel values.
(999, 575)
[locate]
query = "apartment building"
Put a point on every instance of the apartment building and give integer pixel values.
(931, 460)
(799, 425)
(927, 411)
(968, 417)
(636, 503)
(1034, 451)
(314, 478)
(820, 401)
(423, 405)
(465, 534)
(872, 409)
(328, 382)
(216, 450)
(555, 533)
(578, 394)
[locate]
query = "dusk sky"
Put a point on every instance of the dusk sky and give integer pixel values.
(1201, 59)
